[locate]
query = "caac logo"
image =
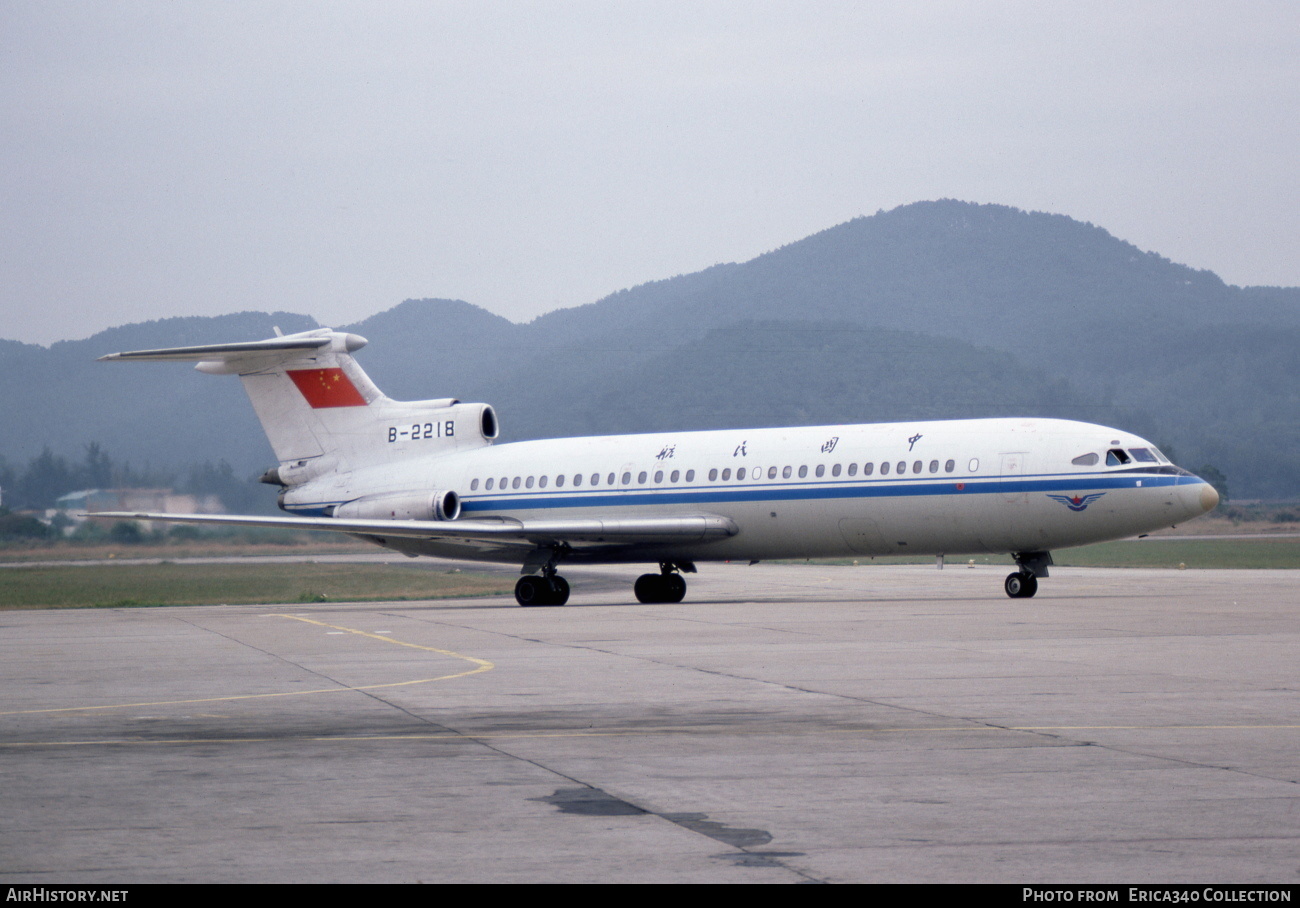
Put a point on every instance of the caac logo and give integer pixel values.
(1078, 502)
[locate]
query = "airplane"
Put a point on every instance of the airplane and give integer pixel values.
(426, 478)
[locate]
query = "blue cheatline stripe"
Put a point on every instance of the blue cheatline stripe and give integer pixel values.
(785, 491)
(706, 495)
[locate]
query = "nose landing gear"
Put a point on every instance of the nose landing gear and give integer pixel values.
(1024, 583)
(1020, 585)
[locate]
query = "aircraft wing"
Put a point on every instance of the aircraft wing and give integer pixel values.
(573, 531)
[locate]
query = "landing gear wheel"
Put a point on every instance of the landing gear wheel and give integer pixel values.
(1020, 586)
(532, 591)
(648, 588)
(657, 588)
(674, 587)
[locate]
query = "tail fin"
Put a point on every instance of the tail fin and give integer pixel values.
(314, 400)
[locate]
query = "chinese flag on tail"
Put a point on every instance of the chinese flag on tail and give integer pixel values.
(327, 388)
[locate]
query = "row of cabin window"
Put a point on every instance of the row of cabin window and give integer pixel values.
(527, 481)
(754, 473)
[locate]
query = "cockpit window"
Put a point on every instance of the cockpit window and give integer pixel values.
(1143, 455)
(1086, 460)
(1116, 457)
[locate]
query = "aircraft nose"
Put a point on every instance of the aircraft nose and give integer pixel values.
(1209, 498)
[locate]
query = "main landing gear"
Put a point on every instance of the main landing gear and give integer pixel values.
(666, 586)
(1024, 583)
(548, 589)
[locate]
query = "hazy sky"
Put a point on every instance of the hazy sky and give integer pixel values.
(176, 158)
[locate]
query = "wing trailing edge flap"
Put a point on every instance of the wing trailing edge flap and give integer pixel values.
(696, 528)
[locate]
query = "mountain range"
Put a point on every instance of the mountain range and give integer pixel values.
(939, 309)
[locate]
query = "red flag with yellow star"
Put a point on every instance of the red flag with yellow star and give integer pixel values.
(327, 388)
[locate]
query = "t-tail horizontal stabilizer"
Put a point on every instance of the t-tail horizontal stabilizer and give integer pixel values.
(317, 405)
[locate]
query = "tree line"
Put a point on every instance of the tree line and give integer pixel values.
(48, 476)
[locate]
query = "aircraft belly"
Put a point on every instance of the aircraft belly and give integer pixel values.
(940, 525)
(1049, 522)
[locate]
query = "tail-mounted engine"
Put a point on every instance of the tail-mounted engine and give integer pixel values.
(429, 426)
(401, 430)
(441, 505)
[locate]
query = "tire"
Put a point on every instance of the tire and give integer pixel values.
(660, 588)
(531, 591)
(1020, 586)
(674, 587)
(1012, 585)
(648, 588)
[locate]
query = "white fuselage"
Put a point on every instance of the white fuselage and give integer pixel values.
(424, 478)
(951, 487)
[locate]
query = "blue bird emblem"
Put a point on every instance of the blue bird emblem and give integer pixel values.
(1077, 502)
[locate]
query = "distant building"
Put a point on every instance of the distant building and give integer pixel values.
(88, 501)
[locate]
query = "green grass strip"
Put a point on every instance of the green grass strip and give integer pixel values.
(124, 586)
(1254, 553)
